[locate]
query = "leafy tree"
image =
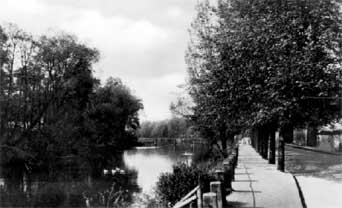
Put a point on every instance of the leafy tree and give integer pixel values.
(3, 60)
(264, 64)
(210, 80)
(115, 114)
(54, 112)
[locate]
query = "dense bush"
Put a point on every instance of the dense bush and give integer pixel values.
(208, 157)
(51, 195)
(171, 187)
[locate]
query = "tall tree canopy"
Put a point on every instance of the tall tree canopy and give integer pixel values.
(256, 63)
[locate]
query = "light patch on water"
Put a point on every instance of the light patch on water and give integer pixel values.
(149, 167)
(146, 147)
(2, 182)
(320, 193)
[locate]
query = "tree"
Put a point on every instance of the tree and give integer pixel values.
(214, 81)
(265, 65)
(53, 111)
(3, 60)
(115, 114)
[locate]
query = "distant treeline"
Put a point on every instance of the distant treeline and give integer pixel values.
(171, 128)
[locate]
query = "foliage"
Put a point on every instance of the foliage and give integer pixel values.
(171, 187)
(176, 127)
(115, 114)
(53, 111)
(51, 195)
(252, 63)
(209, 156)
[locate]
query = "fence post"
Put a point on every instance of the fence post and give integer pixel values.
(227, 175)
(219, 175)
(199, 198)
(216, 187)
(209, 200)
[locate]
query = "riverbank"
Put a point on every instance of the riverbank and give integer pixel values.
(143, 141)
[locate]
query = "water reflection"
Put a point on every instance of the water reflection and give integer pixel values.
(70, 186)
(150, 162)
(124, 179)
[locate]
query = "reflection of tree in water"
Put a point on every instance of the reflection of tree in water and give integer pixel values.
(73, 183)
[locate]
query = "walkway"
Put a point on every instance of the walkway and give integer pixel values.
(259, 185)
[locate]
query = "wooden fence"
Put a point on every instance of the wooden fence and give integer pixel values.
(219, 188)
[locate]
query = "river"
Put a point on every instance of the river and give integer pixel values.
(133, 177)
(150, 162)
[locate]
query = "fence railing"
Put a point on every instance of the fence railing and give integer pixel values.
(193, 195)
(219, 188)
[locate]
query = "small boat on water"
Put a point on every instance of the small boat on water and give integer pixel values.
(187, 154)
(147, 147)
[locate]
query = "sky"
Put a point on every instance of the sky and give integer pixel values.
(143, 42)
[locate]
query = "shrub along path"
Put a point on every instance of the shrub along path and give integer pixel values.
(260, 185)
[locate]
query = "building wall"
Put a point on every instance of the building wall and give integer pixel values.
(300, 136)
(330, 142)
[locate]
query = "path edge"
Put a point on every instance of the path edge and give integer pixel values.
(301, 195)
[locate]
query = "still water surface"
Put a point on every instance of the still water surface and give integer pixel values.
(150, 162)
(129, 178)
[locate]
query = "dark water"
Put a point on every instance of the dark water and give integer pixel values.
(124, 184)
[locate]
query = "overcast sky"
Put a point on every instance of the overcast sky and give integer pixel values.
(141, 41)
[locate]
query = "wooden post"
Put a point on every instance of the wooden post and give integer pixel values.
(236, 157)
(210, 200)
(199, 198)
(219, 175)
(216, 187)
(227, 181)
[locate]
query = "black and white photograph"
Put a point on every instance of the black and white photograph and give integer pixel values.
(170, 103)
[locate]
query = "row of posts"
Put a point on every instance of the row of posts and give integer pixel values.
(222, 187)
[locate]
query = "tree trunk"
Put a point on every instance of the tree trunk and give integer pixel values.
(224, 144)
(312, 136)
(271, 158)
(281, 154)
(265, 144)
(230, 143)
(253, 137)
(286, 134)
(260, 137)
(263, 137)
